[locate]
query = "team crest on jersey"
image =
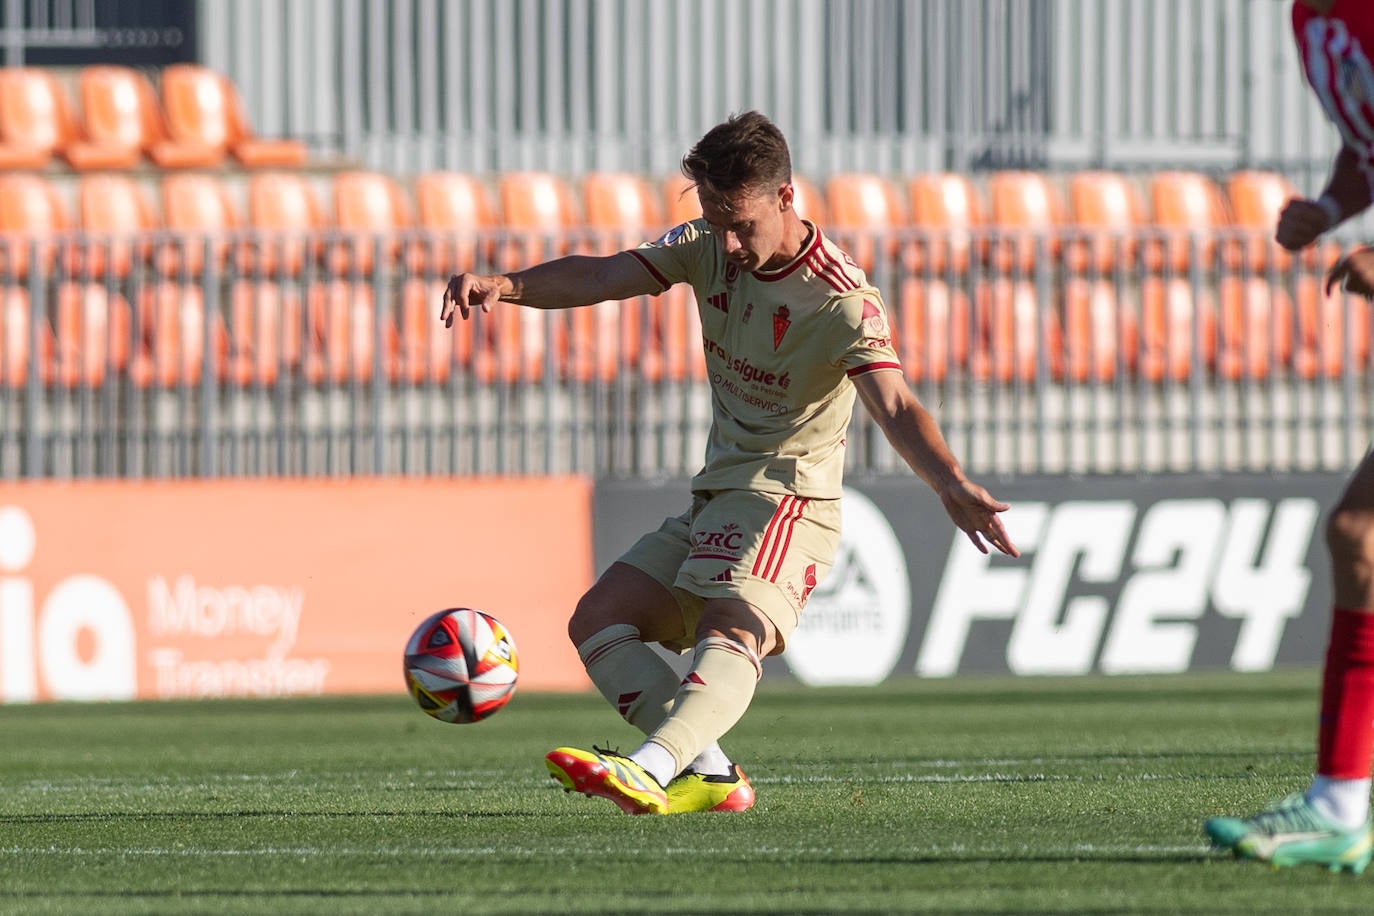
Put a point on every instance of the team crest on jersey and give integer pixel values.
(782, 320)
(748, 310)
(874, 326)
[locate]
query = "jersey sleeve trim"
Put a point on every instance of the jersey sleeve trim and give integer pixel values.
(653, 271)
(872, 367)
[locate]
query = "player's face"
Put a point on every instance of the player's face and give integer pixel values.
(751, 226)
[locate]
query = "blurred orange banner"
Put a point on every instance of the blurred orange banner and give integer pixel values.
(124, 590)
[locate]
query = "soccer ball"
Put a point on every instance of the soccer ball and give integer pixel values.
(461, 665)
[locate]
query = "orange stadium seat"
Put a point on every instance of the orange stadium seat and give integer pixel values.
(205, 116)
(1107, 218)
(1027, 211)
(35, 118)
(866, 212)
(1106, 215)
(1100, 333)
(809, 202)
(947, 208)
(621, 209)
(285, 216)
(1011, 331)
(427, 348)
(372, 214)
(1333, 331)
(623, 212)
(119, 118)
(455, 210)
(1173, 325)
(174, 320)
(16, 331)
(265, 331)
(14, 336)
(932, 328)
(539, 210)
(32, 219)
(680, 200)
(1254, 328)
(675, 338)
(343, 342)
(116, 221)
(200, 215)
(1256, 199)
(1189, 208)
(94, 334)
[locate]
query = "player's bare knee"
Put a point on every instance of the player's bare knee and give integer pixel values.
(1350, 540)
(589, 617)
(1350, 535)
(738, 622)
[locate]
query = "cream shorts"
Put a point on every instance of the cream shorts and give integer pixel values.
(767, 549)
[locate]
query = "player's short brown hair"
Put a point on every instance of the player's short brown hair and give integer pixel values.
(745, 153)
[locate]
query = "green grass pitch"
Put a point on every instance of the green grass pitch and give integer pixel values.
(962, 796)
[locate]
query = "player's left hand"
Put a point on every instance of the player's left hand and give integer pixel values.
(975, 513)
(1354, 273)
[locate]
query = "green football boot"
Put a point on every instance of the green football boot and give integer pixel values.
(1292, 832)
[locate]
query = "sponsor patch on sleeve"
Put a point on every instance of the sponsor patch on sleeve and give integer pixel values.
(672, 235)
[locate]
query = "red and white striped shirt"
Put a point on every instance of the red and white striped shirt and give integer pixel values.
(1335, 50)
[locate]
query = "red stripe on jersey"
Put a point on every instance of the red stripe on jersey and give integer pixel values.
(871, 367)
(778, 537)
(832, 272)
(653, 271)
(1334, 52)
(844, 268)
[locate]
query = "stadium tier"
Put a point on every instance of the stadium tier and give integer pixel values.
(149, 242)
(1018, 275)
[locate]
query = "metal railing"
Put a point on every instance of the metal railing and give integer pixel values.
(893, 86)
(171, 355)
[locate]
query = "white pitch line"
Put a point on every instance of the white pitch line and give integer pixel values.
(302, 852)
(901, 778)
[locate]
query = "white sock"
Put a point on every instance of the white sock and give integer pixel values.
(656, 761)
(711, 762)
(1345, 801)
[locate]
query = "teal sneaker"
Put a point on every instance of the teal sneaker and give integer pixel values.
(1292, 832)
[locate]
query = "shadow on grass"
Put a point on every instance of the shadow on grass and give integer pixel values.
(136, 816)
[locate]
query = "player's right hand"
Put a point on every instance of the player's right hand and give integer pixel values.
(1354, 273)
(467, 290)
(1300, 222)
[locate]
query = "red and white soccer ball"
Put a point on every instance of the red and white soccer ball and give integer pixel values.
(461, 665)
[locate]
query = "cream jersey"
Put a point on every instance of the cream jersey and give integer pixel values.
(781, 347)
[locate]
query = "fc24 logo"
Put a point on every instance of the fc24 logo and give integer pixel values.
(1084, 599)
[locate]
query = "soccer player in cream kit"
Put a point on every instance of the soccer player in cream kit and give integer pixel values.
(792, 332)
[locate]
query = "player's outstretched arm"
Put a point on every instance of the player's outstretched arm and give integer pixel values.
(562, 283)
(916, 436)
(1346, 194)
